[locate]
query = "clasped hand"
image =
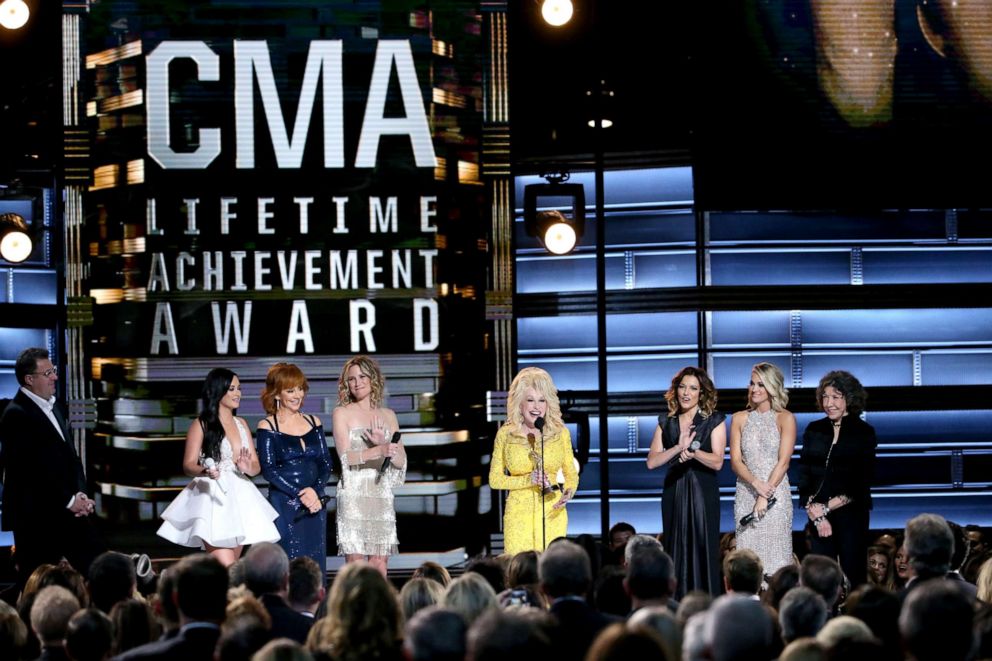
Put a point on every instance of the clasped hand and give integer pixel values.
(83, 505)
(565, 497)
(686, 437)
(310, 500)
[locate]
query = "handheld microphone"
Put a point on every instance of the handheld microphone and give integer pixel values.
(387, 460)
(748, 518)
(692, 448)
(210, 464)
(304, 511)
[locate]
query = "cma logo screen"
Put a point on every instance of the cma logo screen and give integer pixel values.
(253, 71)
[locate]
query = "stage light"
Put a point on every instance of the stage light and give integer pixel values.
(558, 232)
(15, 242)
(556, 12)
(607, 123)
(14, 14)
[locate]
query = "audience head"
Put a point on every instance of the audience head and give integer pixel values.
(694, 637)
(650, 575)
(694, 602)
(435, 634)
(64, 575)
(843, 629)
(89, 636)
(134, 625)
(738, 628)
(984, 582)
(247, 606)
(900, 562)
(728, 543)
(929, 545)
(824, 576)
(419, 593)
(523, 569)
(962, 546)
(50, 614)
(662, 622)
(619, 643)
(620, 534)
(609, 591)
(363, 615)
(564, 570)
(267, 569)
(201, 588)
(241, 637)
(434, 571)
(470, 595)
(13, 632)
(497, 635)
(802, 613)
(282, 649)
(784, 579)
(803, 649)
(881, 568)
(743, 571)
(847, 385)
(165, 602)
(637, 542)
(490, 569)
(936, 622)
(306, 583)
(110, 579)
(879, 609)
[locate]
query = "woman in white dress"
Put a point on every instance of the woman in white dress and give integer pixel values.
(221, 510)
(762, 438)
(363, 435)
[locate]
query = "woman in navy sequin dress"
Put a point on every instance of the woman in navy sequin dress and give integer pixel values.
(293, 452)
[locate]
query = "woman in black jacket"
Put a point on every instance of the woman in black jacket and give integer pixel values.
(835, 474)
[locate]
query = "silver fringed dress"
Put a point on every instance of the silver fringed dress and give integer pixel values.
(771, 536)
(366, 517)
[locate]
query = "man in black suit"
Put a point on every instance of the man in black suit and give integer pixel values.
(201, 596)
(44, 499)
(267, 576)
(565, 574)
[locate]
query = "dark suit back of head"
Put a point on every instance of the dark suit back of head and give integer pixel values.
(929, 545)
(650, 574)
(110, 579)
(822, 575)
(936, 622)
(201, 588)
(435, 634)
(266, 569)
(564, 569)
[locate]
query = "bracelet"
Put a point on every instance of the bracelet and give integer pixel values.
(818, 520)
(826, 509)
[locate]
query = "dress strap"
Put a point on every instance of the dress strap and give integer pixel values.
(309, 418)
(275, 422)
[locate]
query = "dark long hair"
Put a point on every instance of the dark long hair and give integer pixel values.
(214, 388)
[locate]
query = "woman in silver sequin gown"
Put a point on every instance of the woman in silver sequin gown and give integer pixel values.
(762, 438)
(363, 430)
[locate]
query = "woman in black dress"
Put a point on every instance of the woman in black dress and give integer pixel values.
(835, 473)
(691, 440)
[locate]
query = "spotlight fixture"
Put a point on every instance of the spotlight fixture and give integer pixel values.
(15, 242)
(14, 14)
(558, 232)
(556, 12)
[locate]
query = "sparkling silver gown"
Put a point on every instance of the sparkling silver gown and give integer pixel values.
(366, 517)
(771, 536)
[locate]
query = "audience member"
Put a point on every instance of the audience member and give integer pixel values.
(662, 622)
(110, 579)
(594, 550)
(64, 575)
(201, 598)
(936, 617)
(241, 637)
(134, 625)
(418, 593)
(609, 593)
(694, 637)
(89, 636)
(843, 629)
(490, 569)
(435, 634)
(824, 576)
(743, 573)
(470, 595)
(306, 585)
(803, 649)
(929, 547)
(616, 542)
(638, 542)
(881, 566)
(363, 616)
(620, 643)
(801, 614)
(435, 571)
(164, 603)
(879, 609)
(983, 631)
(267, 576)
(651, 578)
(247, 606)
(50, 614)
(500, 635)
(696, 601)
(984, 583)
(13, 632)
(565, 576)
(784, 579)
(738, 628)
(282, 649)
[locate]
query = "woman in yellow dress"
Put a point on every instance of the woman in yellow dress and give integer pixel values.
(535, 507)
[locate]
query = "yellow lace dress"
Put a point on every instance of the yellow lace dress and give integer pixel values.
(510, 469)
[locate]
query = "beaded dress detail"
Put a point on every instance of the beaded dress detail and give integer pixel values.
(366, 517)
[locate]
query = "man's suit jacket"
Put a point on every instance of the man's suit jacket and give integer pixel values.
(192, 644)
(286, 623)
(40, 470)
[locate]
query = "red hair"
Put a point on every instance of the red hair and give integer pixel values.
(281, 376)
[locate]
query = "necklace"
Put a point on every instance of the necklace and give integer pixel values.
(836, 424)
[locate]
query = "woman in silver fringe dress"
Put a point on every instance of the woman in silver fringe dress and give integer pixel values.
(762, 438)
(363, 430)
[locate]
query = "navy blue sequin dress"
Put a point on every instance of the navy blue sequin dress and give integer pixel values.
(291, 463)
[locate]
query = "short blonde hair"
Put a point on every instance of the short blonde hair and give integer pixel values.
(774, 382)
(539, 380)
